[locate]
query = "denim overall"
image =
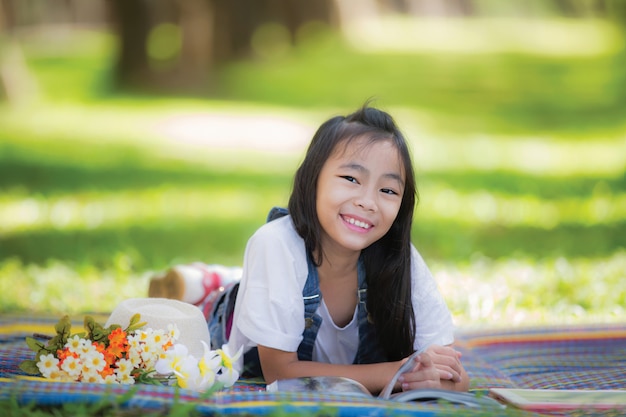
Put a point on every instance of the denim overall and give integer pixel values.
(368, 350)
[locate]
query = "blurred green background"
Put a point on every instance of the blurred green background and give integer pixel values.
(137, 135)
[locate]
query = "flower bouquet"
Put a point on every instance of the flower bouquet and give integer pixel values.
(127, 356)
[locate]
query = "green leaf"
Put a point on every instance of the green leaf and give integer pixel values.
(63, 328)
(35, 345)
(134, 323)
(96, 332)
(30, 367)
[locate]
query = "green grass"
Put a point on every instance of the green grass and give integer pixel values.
(520, 160)
(79, 222)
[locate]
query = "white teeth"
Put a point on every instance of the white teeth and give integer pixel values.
(359, 223)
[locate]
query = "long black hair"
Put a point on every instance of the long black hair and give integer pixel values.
(387, 261)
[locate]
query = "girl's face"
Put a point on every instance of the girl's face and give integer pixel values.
(359, 193)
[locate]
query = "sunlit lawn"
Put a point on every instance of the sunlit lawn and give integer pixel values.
(523, 206)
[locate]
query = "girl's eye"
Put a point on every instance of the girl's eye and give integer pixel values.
(389, 191)
(349, 178)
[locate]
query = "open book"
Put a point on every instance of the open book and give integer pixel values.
(553, 399)
(347, 386)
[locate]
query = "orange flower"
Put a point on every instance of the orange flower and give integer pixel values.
(168, 345)
(64, 353)
(108, 370)
(108, 357)
(119, 343)
(99, 346)
(118, 337)
(116, 351)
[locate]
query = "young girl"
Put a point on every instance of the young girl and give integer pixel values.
(335, 287)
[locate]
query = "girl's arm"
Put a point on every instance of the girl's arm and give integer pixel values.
(278, 364)
(438, 367)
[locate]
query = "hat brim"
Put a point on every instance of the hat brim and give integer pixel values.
(158, 313)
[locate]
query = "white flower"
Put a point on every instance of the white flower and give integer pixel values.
(47, 364)
(210, 361)
(124, 378)
(172, 361)
(109, 379)
(133, 341)
(207, 365)
(91, 375)
(124, 367)
(158, 338)
(75, 344)
(134, 356)
(94, 360)
(72, 366)
(142, 336)
(86, 347)
(227, 374)
(187, 372)
(191, 373)
(61, 376)
(149, 354)
(173, 332)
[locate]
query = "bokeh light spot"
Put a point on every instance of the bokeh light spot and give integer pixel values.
(164, 42)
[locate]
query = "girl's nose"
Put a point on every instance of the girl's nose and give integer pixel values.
(366, 202)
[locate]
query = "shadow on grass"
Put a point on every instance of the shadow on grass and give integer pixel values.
(146, 246)
(221, 241)
(450, 241)
(517, 184)
(125, 169)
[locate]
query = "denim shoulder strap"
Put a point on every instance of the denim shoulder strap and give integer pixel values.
(311, 296)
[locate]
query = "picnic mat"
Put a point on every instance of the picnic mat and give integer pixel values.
(549, 357)
(592, 357)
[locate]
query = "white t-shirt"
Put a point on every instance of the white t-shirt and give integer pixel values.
(334, 344)
(269, 309)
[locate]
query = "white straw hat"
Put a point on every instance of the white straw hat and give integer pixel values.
(157, 313)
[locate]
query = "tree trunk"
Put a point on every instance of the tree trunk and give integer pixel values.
(132, 23)
(213, 32)
(17, 84)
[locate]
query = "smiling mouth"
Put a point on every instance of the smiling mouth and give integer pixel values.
(358, 223)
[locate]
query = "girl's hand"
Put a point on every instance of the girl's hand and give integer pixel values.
(423, 375)
(447, 361)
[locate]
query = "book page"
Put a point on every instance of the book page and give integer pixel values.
(325, 384)
(551, 399)
(385, 394)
